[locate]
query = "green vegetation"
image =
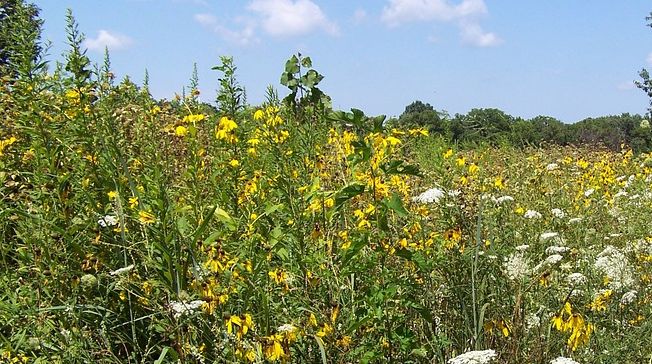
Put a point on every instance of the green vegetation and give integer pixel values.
(137, 230)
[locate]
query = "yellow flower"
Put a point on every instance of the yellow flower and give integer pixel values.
(194, 118)
(274, 350)
(259, 114)
(180, 131)
(278, 275)
(461, 161)
(146, 217)
(344, 342)
(5, 143)
(231, 321)
(498, 183)
(393, 141)
(448, 154)
(234, 163)
(600, 301)
(312, 320)
(112, 195)
(133, 202)
(325, 330)
(334, 313)
(147, 287)
(224, 130)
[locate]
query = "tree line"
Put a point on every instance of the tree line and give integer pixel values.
(494, 126)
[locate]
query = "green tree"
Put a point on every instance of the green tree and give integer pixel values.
(420, 115)
(482, 125)
(20, 33)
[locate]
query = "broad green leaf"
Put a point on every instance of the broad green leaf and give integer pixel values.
(396, 204)
(400, 167)
(347, 193)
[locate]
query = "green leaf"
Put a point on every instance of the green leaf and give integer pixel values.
(400, 167)
(396, 204)
(306, 62)
(378, 123)
(322, 350)
(292, 65)
(354, 249)
(164, 353)
(225, 218)
(347, 193)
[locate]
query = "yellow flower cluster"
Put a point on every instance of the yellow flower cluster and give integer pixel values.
(5, 143)
(600, 301)
(225, 130)
(566, 321)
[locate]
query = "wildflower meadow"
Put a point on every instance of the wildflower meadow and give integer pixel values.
(137, 230)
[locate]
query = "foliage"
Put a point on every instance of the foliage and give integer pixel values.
(20, 33)
(141, 230)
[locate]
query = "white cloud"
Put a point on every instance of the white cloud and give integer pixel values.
(290, 18)
(473, 34)
(465, 14)
(106, 39)
(244, 36)
(649, 59)
(405, 11)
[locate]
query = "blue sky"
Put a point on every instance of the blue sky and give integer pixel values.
(562, 58)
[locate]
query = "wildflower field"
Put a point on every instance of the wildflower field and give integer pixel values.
(137, 230)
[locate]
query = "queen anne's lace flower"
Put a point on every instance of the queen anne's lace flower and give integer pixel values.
(432, 195)
(552, 166)
(531, 214)
(562, 360)
(180, 308)
(548, 236)
(628, 298)
(613, 264)
(502, 199)
(557, 250)
(516, 266)
(576, 279)
(108, 220)
(474, 357)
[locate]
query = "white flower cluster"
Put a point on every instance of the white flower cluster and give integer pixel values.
(516, 266)
(548, 236)
(628, 298)
(552, 167)
(532, 214)
(575, 220)
(558, 213)
(557, 250)
(613, 263)
(474, 357)
(576, 279)
(502, 199)
(108, 220)
(549, 262)
(121, 271)
(562, 360)
(180, 308)
(432, 195)
(286, 328)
